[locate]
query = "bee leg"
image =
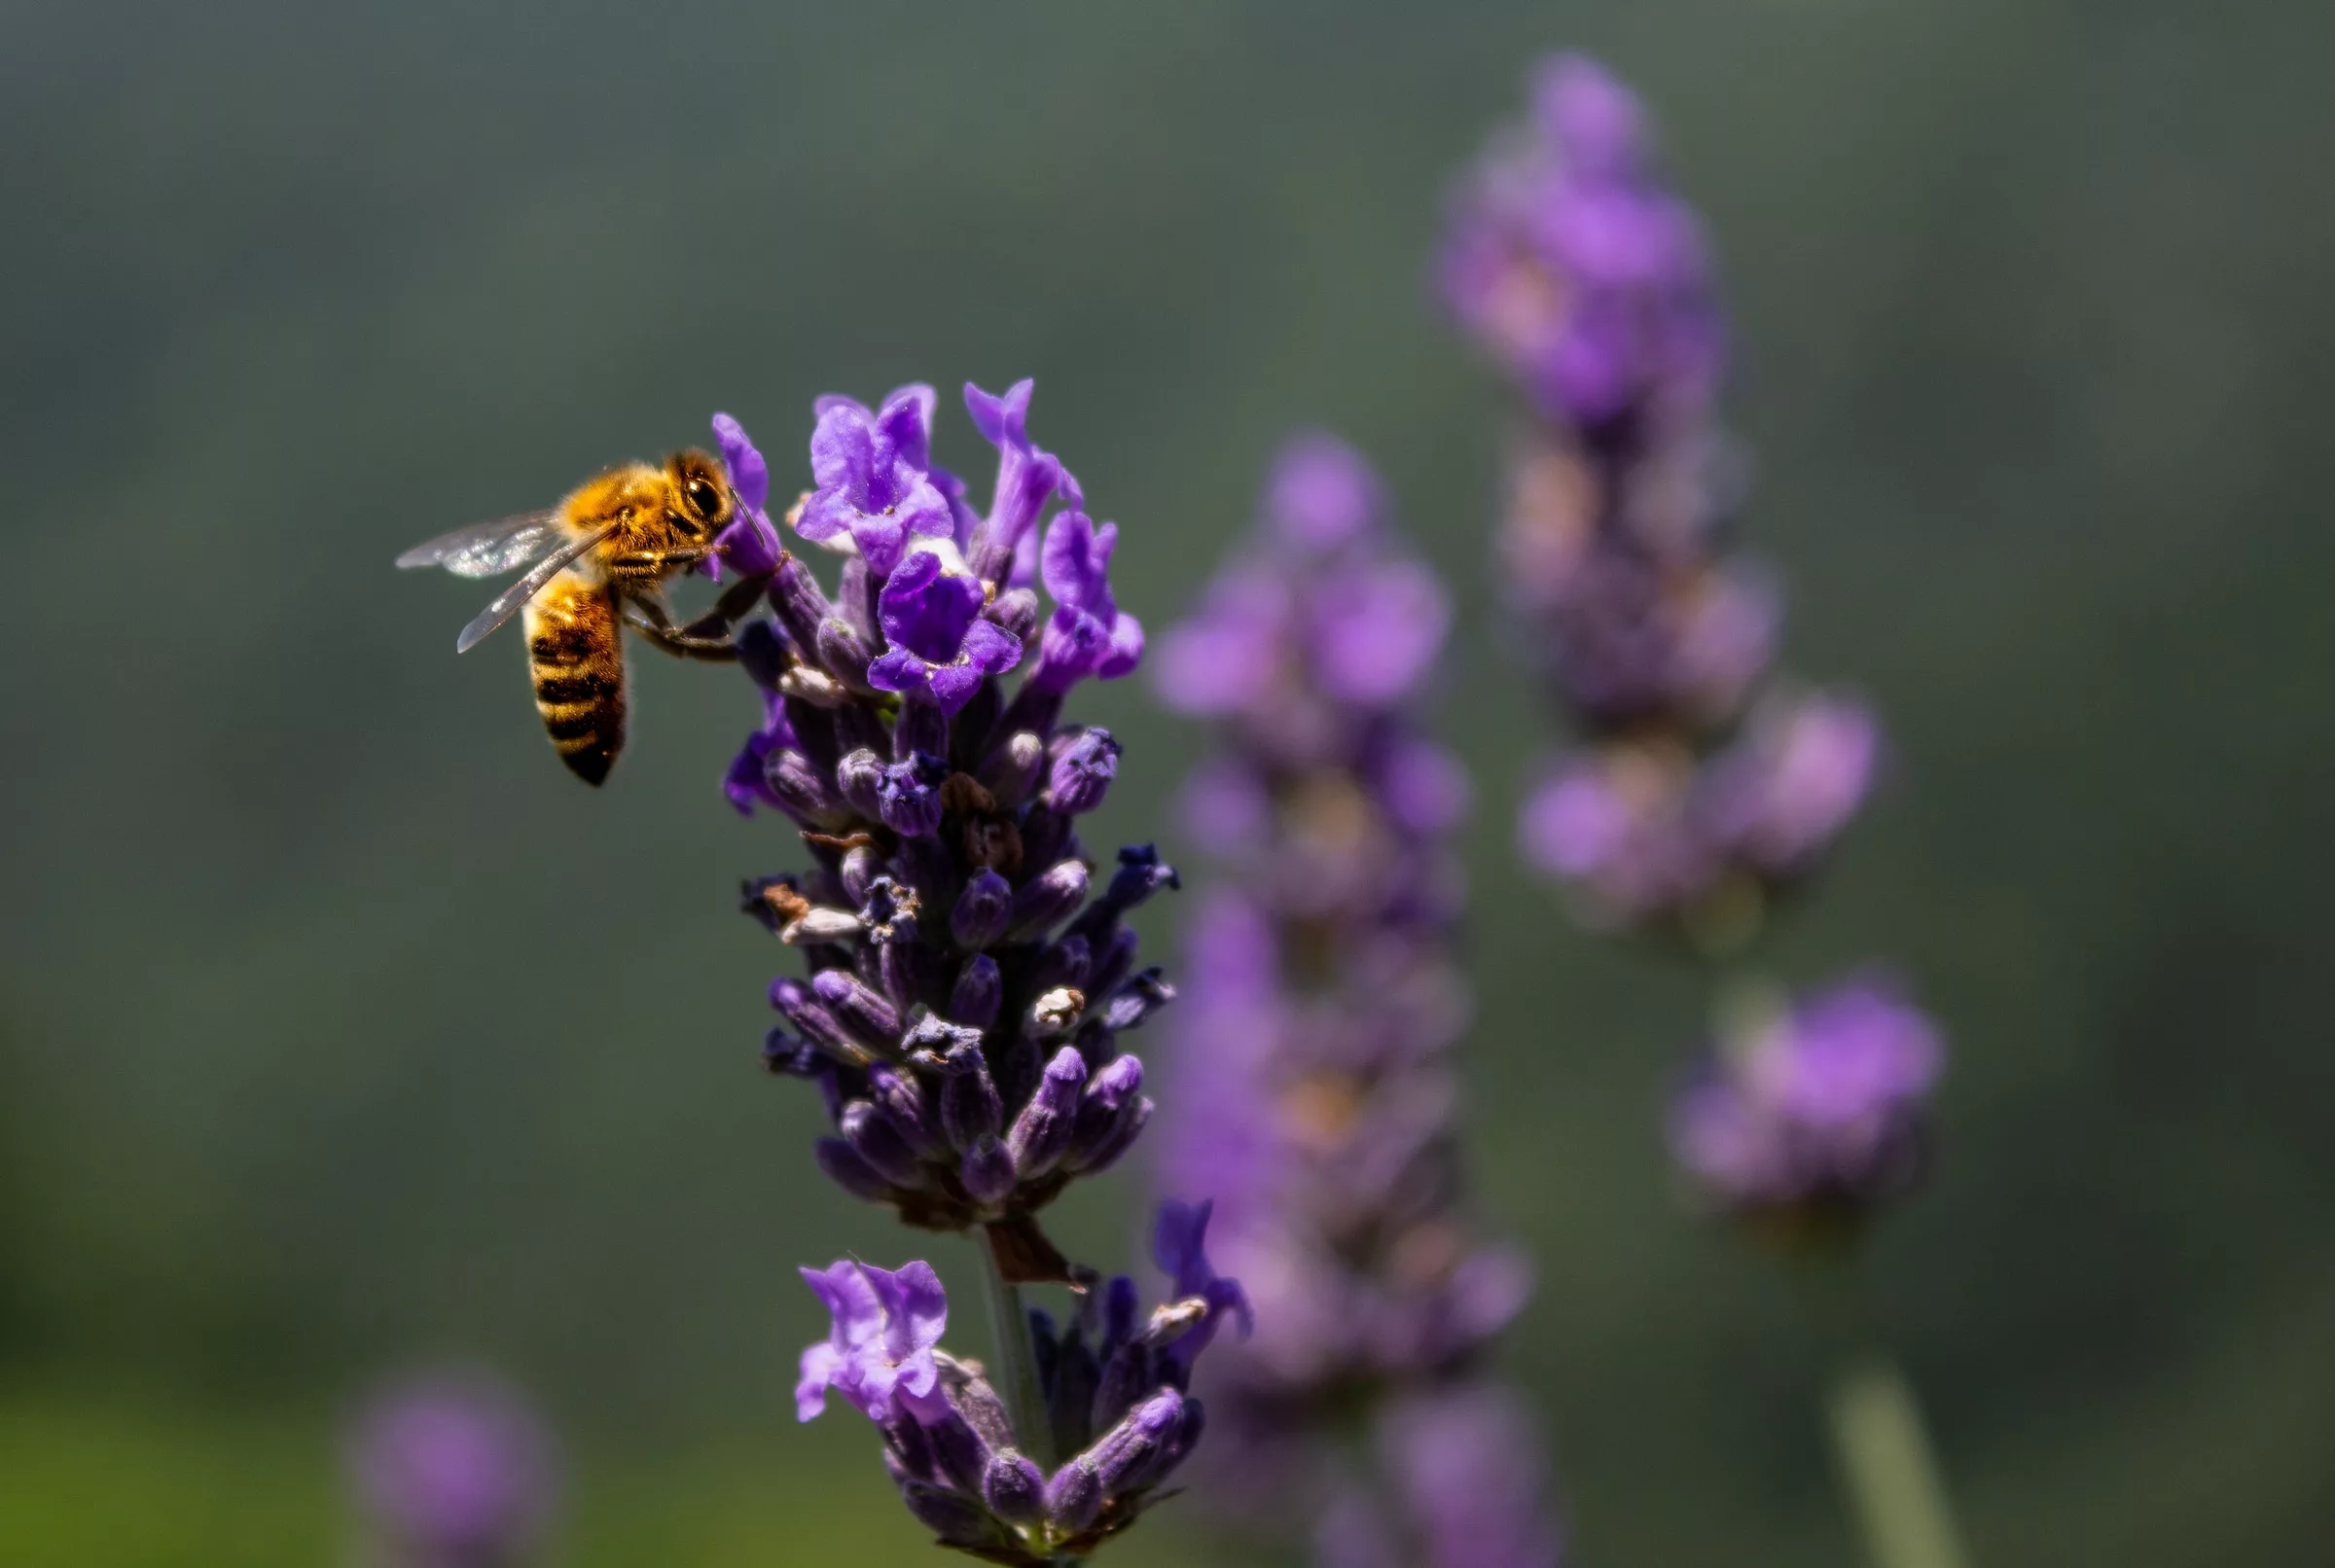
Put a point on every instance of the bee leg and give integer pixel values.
(650, 617)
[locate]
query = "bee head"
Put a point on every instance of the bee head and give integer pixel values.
(701, 498)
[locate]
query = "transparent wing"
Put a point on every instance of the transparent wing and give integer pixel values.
(506, 603)
(490, 549)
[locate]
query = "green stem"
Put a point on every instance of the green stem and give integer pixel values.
(1017, 1370)
(1888, 1467)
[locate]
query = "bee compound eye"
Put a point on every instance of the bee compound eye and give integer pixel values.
(704, 497)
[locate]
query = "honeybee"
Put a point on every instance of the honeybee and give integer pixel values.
(601, 559)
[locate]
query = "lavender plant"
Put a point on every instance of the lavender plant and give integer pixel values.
(1704, 785)
(966, 982)
(1317, 1101)
(450, 1472)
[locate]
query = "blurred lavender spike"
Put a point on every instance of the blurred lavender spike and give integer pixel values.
(1311, 1093)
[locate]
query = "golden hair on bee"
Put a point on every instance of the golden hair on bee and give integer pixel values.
(600, 560)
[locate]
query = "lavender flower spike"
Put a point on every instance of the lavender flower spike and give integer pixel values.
(1571, 261)
(1312, 1096)
(1114, 1406)
(955, 943)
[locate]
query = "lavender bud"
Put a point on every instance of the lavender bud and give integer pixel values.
(979, 992)
(1071, 1408)
(1140, 874)
(815, 686)
(783, 1054)
(800, 602)
(1014, 769)
(874, 1140)
(958, 1451)
(987, 1170)
(1046, 900)
(845, 1167)
(1042, 1131)
(844, 650)
(1126, 1379)
(911, 971)
(859, 776)
(1119, 1454)
(909, 794)
(872, 1020)
(921, 730)
(982, 910)
(1105, 1153)
(970, 1107)
(812, 1019)
(1120, 1303)
(861, 867)
(1014, 1488)
(801, 793)
(956, 1520)
(1084, 767)
(1116, 960)
(761, 653)
(1073, 1497)
(1136, 1001)
(901, 1098)
(1015, 610)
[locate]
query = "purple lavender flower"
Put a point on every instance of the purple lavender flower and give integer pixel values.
(1572, 263)
(969, 978)
(1585, 275)
(749, 543)
(452, 1471)
(930, 612)
(1113, 1391)
(1805, 1121)
(874, 479)
(878, 1353)
(1313, 1099)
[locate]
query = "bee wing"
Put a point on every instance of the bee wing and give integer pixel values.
(506, 603)
(489, 549)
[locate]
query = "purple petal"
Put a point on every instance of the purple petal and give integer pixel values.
(899, 671)
(826, 514)
(991, 649)
(749, 472)
(842, 450)
(1001, 420)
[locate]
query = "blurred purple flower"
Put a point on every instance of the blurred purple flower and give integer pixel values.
(453, 1471)
(1819, 1113)
(1313, 1100)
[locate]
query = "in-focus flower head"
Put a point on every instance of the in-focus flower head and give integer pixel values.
(453, 1471)
(1112, 1398)
(971, 975)
(1806, 1120)
(879, 1349)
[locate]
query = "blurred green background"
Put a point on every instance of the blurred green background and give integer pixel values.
(338, 1028)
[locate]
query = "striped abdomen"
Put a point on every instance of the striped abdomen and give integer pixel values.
(578, 664)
